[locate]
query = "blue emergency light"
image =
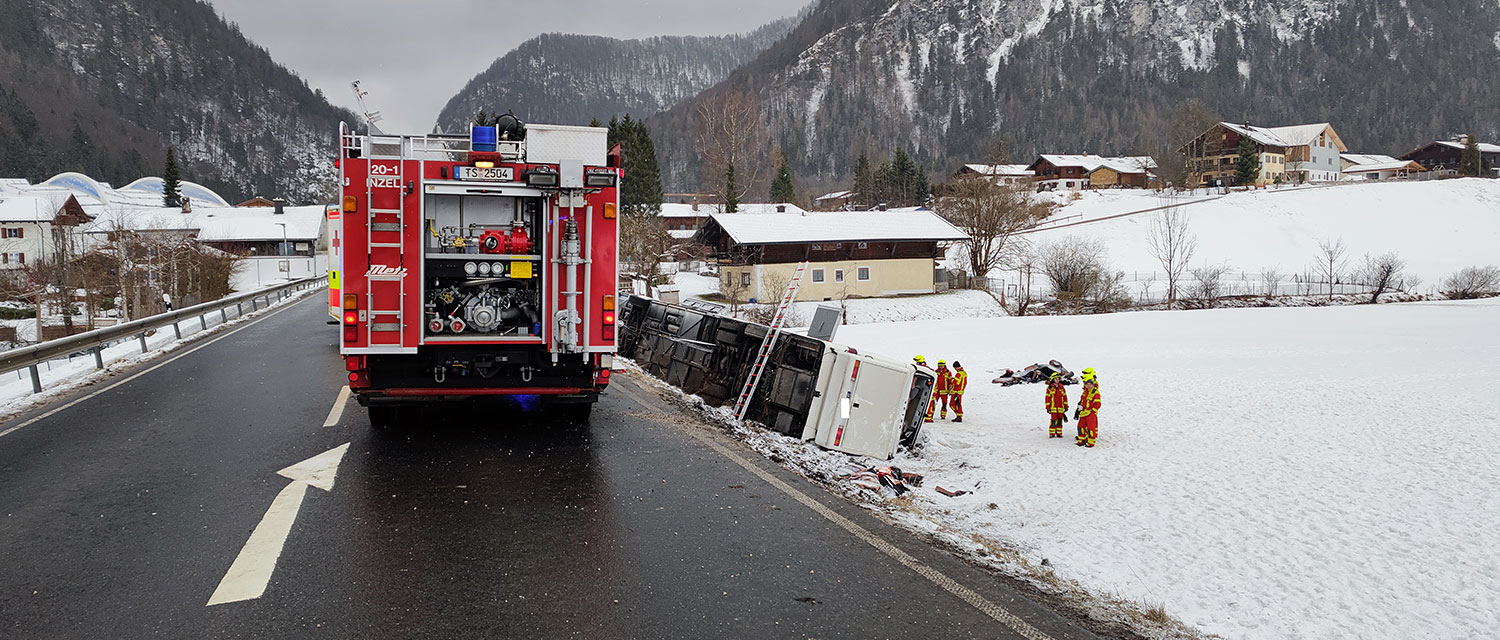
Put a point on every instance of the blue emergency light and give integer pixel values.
(483, 138)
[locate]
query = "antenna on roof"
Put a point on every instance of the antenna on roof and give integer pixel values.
(371, 117)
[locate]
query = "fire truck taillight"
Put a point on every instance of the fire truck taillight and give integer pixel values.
(607, 322)
(350, 204)
(351, 317)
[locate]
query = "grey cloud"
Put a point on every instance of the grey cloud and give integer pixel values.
(413, 56)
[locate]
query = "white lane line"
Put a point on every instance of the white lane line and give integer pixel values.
(159, 365)
(994, 611)
(338, 408)
(251, 571)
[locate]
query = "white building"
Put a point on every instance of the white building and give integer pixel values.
(1012, 174)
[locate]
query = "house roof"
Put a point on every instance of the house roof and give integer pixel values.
(1394, 165)
(838, 226)
(1090, 163)
(1017, 170)
(221, 224)
(1365, 158)
(26, 209)
(681, 210)
(1484, 147)
(1293, 136)
(837, 195)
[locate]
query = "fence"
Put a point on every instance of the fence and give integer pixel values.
(95, 341)
(1150, 287)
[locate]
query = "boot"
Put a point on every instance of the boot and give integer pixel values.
(958, 418)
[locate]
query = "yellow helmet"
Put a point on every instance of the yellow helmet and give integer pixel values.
(1088, 374)
(942, 363)
(920, 360)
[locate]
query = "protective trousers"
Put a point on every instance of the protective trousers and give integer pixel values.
(1088, 430)
(1054, 428)
(958, 405)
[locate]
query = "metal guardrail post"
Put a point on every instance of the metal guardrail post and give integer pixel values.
(36, 380)
(177, 329)
(202, 322)
(223, 316)
(143, 343)
(99, 357)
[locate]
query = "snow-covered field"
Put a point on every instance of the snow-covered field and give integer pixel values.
(1438, 227)
(950, 304)
(1260, 473)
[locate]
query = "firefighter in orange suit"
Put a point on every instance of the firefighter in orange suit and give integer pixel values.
(921, 363)
(1087, 412)
(1057, 405)
(944, 389)
(956, 390)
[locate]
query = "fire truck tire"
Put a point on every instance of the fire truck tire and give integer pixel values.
(385, 417)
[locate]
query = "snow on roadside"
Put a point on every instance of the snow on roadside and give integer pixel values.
(1260, 473)
(64, 375)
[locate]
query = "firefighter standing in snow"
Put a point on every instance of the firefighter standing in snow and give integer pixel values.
(1057, 406)
(944, 389)
(956, 390)
(1087, 412)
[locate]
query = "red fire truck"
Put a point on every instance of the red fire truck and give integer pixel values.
(479, 265)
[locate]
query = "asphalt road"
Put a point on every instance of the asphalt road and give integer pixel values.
(120, 515)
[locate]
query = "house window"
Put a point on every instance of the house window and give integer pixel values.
(862, 273)
(13, 258)
(13, 233)
(838, 275)
(817, 247)
(817, 275)
(744, 279)
(864, 245)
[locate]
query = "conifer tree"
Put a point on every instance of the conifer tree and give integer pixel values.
(641, 191)
(782, 189)
(864, 180)
(171, 187)
(1247, 167)
(1471, 162)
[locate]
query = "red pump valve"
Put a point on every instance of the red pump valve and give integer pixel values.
(520, 242)
(494, 241)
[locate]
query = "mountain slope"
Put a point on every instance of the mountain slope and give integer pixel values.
(103, 86)
(943, 77)
(572, 79)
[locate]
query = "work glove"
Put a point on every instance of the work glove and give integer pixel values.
(1065, 418)
(1075, 413)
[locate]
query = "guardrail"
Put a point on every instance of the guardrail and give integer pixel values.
(95, 341)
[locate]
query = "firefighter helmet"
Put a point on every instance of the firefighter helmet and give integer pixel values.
(920, 360)
(1055, 376)
(1088, 374)
(942, 363)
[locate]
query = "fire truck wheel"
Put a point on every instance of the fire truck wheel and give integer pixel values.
(385, 417)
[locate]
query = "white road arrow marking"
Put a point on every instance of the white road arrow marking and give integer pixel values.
(251, 572)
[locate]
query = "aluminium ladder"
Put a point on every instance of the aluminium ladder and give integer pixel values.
(768, 343)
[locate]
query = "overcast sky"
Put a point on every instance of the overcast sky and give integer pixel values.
(413, 55)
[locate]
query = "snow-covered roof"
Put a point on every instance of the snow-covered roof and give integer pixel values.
(221, 224)
(681, 210)
(199, 194)
(837, 195)
(1292, 136)
(1394, 165)
(682, 234)
(1366, 158)
(837, 226)
(1017, 170)
(1484, 147)
(1090, 162)
(26, 209)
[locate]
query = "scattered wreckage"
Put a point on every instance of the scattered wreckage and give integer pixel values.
(1037, 373)
(814, 390)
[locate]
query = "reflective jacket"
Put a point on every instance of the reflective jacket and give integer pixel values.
(1088, 401)
(959, 383)
(1057, 398)
(944, 381)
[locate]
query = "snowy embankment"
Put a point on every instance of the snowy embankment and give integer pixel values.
(67, 374)
(1265, 473)
(950, 304)
(1438, 227)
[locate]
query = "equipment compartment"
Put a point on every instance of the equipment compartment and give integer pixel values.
(482, 267)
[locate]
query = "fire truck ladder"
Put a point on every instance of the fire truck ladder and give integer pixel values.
(769, 343)
(386, 320)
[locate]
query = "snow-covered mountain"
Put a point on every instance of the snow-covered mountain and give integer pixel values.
(572, 79)
(943, 77)
(104, 86)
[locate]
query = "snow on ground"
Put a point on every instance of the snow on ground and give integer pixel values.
(949, 304)
(1437, 226)
(1260, 473)
(66, 374)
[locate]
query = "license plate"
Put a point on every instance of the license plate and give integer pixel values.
(492, 174)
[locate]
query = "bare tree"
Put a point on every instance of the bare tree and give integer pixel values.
(1331, 261)
(643, 242)
(991, 214)
(1076, 269)
(1382, 273)
(1208, 286)
(1172, 242)
(1271, 278)
(773, 286)
(1187, 121)
(733, 285)
(1472, 282)
(732, 139)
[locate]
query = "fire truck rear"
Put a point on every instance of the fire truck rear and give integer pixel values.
(479, 265)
